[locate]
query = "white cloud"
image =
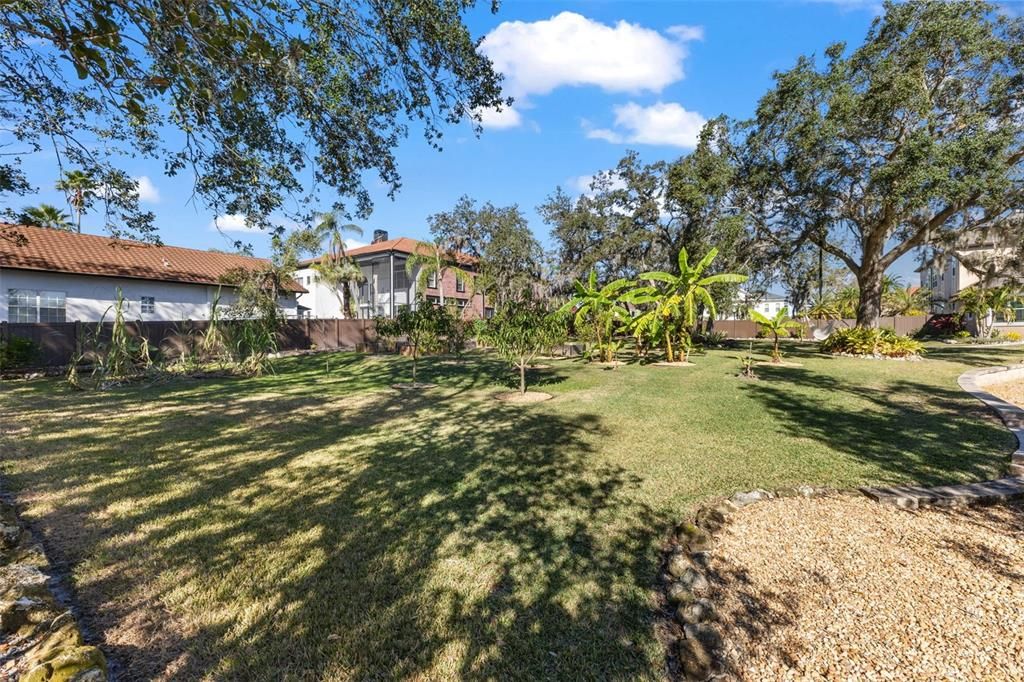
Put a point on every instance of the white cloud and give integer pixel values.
(686, 33)
(354, 243)
(571, 50)
(232, 222)
(581, 184)
(663, 123)
(508, 117)
(148, 192)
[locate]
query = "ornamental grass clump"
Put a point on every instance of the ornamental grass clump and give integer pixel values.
(871, 342)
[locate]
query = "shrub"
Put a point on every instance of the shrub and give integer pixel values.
(962, 334)
(17, 352)
(940, 327)
(861, 341)
(714, 339)
(1012, 336)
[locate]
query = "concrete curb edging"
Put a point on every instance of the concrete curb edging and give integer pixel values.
(975, 381)
(695, 651)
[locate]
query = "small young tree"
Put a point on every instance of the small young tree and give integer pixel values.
(423, 326)
(521, 330)
(780, 324)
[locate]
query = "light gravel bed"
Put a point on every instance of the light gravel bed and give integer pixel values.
(1012, 391)
(843, 588)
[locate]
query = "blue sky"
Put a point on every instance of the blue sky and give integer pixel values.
(591, 80)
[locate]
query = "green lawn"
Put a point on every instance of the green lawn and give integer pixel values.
(315, 523)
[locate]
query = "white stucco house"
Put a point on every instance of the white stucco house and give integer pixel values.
(57, 276)
(768, 304)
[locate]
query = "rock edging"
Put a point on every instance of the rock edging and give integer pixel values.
(975, 381)
(40, 640)
(696, 646)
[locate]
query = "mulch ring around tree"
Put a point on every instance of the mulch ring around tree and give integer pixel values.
(522, 398)
(413, 386)
(663, 363)
(783, 363)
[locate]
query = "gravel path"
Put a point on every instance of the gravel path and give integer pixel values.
(1012, 391)
(843, 588)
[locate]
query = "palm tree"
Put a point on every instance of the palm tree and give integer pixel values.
(907, 301)
(335, 268)
(600, 307)
(676, 297)
(780, 324)
(433, 259)
(846, 301)
(80, 188)
(46, 215)
(824, 309)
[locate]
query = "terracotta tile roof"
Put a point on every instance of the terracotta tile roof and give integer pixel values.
(399, 244)
(87, 254)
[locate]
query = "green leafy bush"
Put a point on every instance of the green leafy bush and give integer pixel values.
(860, 341)
(17, 352)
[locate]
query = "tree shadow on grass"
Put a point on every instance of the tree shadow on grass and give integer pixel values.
(909, 431)
(216, 533)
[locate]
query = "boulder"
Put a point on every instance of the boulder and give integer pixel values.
(741, 500)
(678, 594)
(696, 659)
(678, 564)
(695, 612)
(693, 580)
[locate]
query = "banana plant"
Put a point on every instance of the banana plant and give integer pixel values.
(674, 298)
(599, 307)
(780, 324)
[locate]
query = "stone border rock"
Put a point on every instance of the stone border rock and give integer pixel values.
(695, 649)
(975, 381)
(40, 639)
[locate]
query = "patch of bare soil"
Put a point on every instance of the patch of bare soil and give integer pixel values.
(613, 363)
(843, 588)
(783, 363)
(523, 398)
(1011, 391)
(663, 363)
(413, 386)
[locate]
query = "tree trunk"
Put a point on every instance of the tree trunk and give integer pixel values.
(414, 364)
(869, 307)
(522, 376)
(668, 345)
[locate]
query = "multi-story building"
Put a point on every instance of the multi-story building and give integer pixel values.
(388, 284)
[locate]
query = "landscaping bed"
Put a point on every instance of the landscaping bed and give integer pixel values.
(839, 587)
(1011, 391)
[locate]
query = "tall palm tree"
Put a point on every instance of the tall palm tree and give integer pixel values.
(81, 189)
(434, 259)
(677, 297)
(46, 215)
(335, 268)
(598, 307)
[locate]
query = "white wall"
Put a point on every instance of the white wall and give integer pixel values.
(88, 298)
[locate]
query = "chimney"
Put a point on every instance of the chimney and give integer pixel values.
(380, 236)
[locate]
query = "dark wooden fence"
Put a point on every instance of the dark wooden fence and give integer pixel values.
(58, 343)
(747, 329)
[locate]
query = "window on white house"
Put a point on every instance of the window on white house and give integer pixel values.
(148, 304)
(1018, 310)
(460, 284)
(432, 280)
(29, 305)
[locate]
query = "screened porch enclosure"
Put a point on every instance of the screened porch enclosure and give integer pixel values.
(386, 288)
